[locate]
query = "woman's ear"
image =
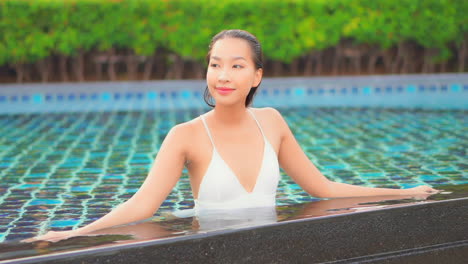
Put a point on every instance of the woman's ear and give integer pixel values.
(258, 77)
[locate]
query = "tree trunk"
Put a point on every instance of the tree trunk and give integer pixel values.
(295, 67)
(131, 65)
(20, 72)
(336, 59)
(199, 70)
(462, 50)
(387, 56)
(277, 68)
(443, 67)
(79, 66)
(309, 64)
(111, 67)
(372, 62)
(396, 62)
(160, 61)
(407, 58)
(176, 68)
(43, 67)
(63, 68)
(428, 65)
(148, 68)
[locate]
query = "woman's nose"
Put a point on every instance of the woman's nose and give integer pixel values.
(223, 75)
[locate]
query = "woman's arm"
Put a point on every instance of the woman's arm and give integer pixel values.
(164, 174)
(298, 166)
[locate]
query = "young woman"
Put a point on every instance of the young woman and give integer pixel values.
(232, 153)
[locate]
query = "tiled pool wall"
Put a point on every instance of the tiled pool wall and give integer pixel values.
(448, 91)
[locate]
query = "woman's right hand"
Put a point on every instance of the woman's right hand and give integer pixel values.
(53, 236)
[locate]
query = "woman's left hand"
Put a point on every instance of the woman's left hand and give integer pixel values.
(422, 190)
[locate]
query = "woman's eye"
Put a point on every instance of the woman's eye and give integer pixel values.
(214, 65)
(237, 66)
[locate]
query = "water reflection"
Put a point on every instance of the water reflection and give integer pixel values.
(167, 225)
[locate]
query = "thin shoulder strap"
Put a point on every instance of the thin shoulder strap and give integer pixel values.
(258, 123)
(207, 130)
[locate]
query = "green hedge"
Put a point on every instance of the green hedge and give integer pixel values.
(33, 30)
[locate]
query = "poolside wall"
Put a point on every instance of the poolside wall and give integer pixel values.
(422, 233)
(442, 91)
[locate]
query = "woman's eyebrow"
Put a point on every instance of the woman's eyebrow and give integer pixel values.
(233, 58)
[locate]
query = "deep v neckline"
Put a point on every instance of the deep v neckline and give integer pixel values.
(216, 152)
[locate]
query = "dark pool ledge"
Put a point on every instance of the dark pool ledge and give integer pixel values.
(428, 232)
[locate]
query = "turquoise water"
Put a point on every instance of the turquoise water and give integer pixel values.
(62, 170)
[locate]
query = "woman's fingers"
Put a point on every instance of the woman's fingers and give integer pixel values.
(52, 236)
(424, 189)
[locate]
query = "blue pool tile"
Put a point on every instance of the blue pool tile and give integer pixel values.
(152, 95)
(14, 98)
(388, 89)
(186, 94)
(27, 186)
(455, 87)
(321, 91)
(94, 96)
(287, 91)
(335, 166)
(81, 188)
(106, 96)
(25, 98)
(2, 98)
(60, 97)
(422, 88)
(465, 87)
(117, 96)
(310, 91)
(264, 92)
(432, 88)
(128, 96)
(71, 97)
(400, 89)
(378, 90)
(411, 88)
(344, 91)
(444, 88)
(276, 92)
(139, 95)
(367, 90)
(299, 91)
(83, 96)
(355, 90)
(162, 95)
(45, 201)
(332, 91)
(38, 98)
(64, 223)
(409, 185)
(174, 95)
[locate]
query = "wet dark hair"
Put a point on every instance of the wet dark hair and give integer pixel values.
(257, 58)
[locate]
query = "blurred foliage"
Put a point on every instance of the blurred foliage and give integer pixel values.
(288, 29)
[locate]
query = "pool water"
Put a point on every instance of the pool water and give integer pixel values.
(63, 170)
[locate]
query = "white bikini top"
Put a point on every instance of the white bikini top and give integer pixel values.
(220, 188)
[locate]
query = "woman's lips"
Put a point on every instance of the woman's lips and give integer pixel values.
(224, 90)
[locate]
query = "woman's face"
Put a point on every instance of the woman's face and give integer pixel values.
(231, 71)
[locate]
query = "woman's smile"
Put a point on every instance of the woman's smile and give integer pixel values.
(224, 90)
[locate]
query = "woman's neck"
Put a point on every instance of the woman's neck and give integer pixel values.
(230, 115)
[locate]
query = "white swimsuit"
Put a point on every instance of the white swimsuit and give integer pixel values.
(220, 188)
(222, 195)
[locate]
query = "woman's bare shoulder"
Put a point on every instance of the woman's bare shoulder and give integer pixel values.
(269, 114)
(187, 129)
